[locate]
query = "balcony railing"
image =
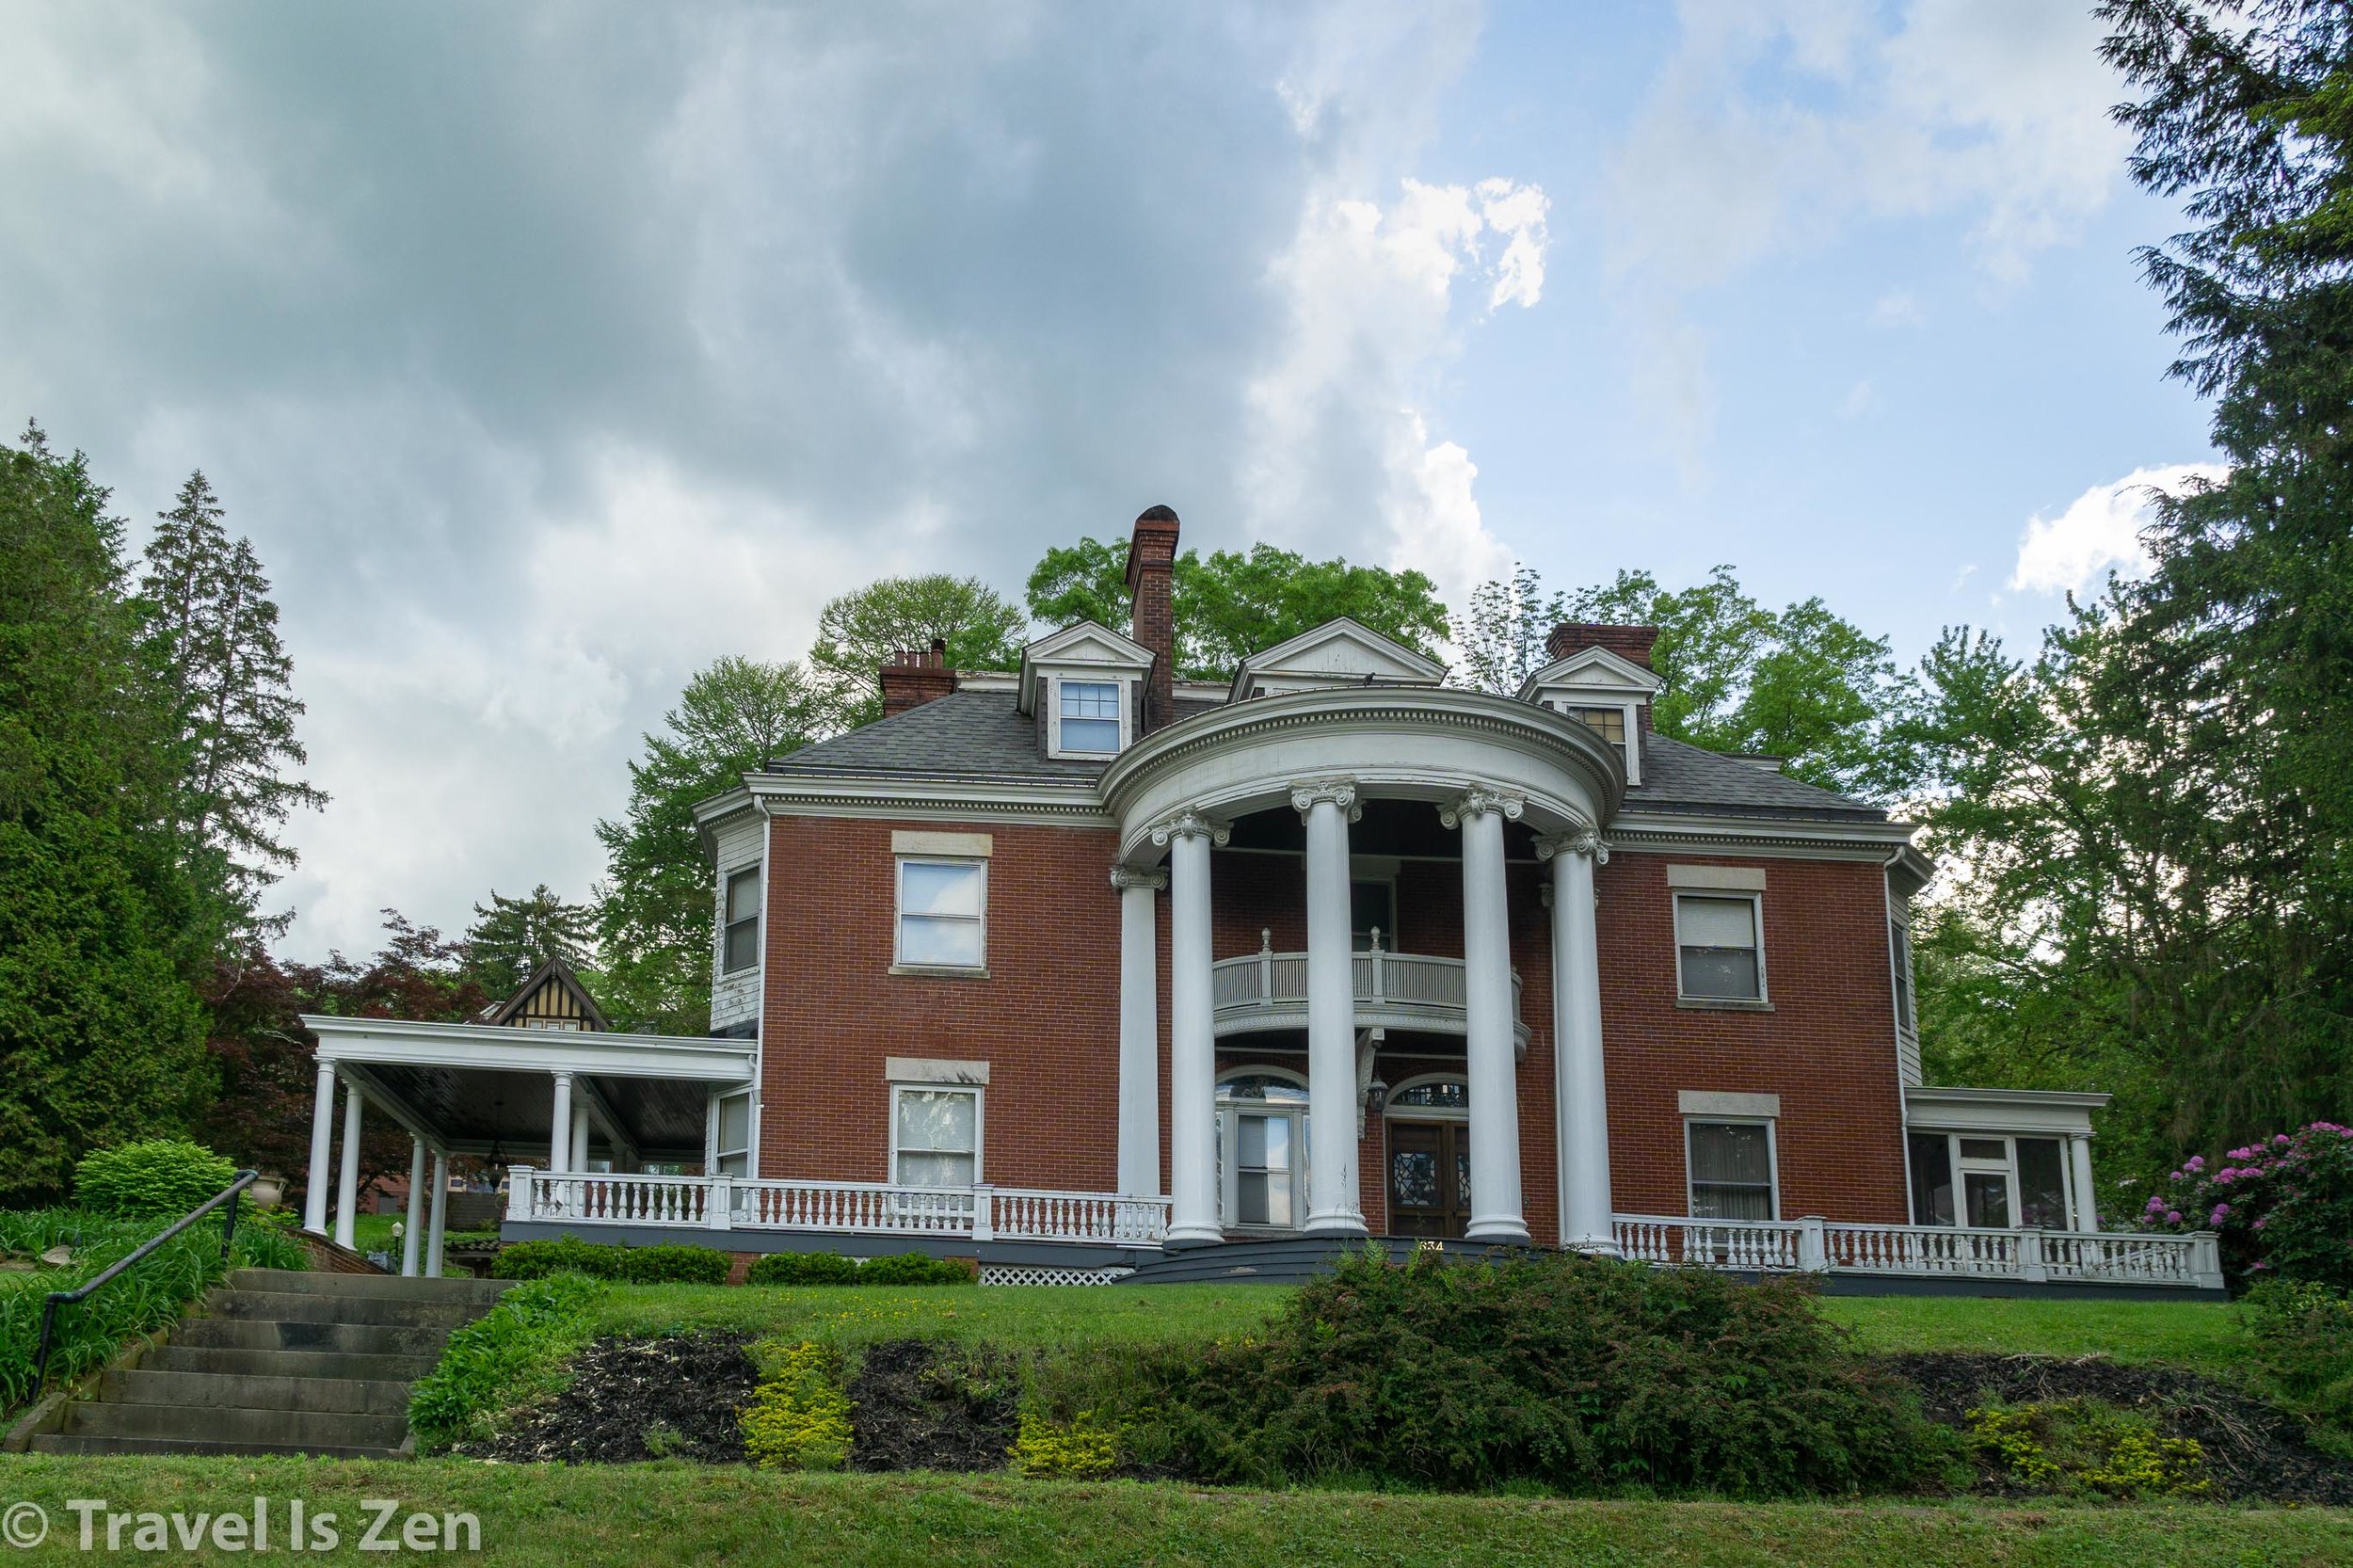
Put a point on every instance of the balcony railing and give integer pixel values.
(848, 1208)
(1824, 1246)
(1268, 990)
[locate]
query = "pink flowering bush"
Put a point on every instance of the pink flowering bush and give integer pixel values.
(2283, 1205)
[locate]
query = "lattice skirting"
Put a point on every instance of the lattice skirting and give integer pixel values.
(1024, 1273)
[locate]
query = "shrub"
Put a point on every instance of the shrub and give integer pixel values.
(157, 1176)
(914, 1268)
(2077, 1445)
(622, 1265)
(498, 1362)
(2283, 1205)
(803, 1268)
(1567, 1372)
(2304, 1356)
(1084, 1447)
(799, 1417)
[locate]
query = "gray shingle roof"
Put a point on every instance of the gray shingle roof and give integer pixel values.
(983, 736)
(1680, 777)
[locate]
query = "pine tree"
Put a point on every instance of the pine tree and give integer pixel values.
(513, 936)
(212, 634)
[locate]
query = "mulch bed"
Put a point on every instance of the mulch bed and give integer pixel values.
(2252, 1451)
(634, 1399)
(913, 1408)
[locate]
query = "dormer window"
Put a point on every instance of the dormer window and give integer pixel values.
(1608, 723)
(1087, 717)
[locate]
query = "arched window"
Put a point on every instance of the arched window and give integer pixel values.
(1262, 1119)
(1430, 1096)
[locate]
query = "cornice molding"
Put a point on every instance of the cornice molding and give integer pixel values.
(873, 797)
(1780, 838)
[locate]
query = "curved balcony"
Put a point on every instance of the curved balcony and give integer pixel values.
(1268, 990)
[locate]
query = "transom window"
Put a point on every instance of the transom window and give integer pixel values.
(936, 1137)
(1437, 1095)
(1730, 1165)
(1988, 1180)
(943, 914)
(1720, 955)
(742, 941)
(1088, 714)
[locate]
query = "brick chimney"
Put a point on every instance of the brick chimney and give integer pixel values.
(916, 677)
(1152, 612)
(1630, 643)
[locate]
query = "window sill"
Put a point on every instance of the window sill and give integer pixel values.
(940, 971)
(1722, 1004)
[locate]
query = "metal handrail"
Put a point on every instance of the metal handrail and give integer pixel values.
(228, 1194)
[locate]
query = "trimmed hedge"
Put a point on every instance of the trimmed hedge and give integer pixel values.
(155, 1177)
(622, 1265)
(827, 1268)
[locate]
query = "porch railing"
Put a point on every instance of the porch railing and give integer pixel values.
(1824, 1246)
(983, 1213)
(1405, 982)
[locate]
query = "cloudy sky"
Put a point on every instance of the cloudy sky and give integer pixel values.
(548, 352)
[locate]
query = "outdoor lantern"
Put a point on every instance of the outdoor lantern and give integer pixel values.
(1376, 1096)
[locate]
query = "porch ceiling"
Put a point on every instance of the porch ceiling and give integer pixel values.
(476, 1109)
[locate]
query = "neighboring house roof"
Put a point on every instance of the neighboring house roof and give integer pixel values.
(1680, 777)
(983, 736)
(553, 972)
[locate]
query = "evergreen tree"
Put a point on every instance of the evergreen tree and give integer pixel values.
(212, 634)
(101, 1037)
(513, 936)
(657, 908)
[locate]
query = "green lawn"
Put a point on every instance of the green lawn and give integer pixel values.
(2204, 1335)
(677, 1514)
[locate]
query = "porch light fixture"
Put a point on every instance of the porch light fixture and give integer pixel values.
(1376, 1096)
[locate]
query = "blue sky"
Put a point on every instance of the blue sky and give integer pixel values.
(548, 352)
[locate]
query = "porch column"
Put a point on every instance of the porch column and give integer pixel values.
(411, 1234)
(1327, 807)
(560, 1125)
(436, 1232)
(2079, 1157)
(348, 1180)
(1192, 1044)
(1580, 1090)
(580, 1135)
(1139, 1031)
(322, 1145)
(1494, 1110)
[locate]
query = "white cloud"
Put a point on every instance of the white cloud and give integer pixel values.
(2098, 532)
(1897, 307)
(1861, 399)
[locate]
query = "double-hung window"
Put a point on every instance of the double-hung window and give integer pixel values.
(1899, 951)
(943, 914)
(1720, 951)
(741, 941)
(1730, 1165)
(934, 1137)
(731, 1136)
(1608, 723)
(1087, 714)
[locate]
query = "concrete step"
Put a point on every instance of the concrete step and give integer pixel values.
(326, 1365)
(297, 1307)
(302, 1429)
(73, 1443)
(234, 1334)
(349, 1395)
(311, 1282)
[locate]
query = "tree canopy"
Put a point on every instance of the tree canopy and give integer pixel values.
(1230, 604)
(860, 631)
(511, 937)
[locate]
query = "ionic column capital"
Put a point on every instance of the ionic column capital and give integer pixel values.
(1578, 841)
(1191, 824)
(1479, 801)
(1124, 877)
(1339, 792)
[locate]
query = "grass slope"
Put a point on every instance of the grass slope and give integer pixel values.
(533, 1515)
(2198, 1336)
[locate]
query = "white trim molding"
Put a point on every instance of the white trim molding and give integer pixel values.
(1738, 879)
(956, 846)
(925, 1069)
(1717, 1103)
(397, 1043)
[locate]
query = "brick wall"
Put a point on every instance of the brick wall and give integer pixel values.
(1047, 1019)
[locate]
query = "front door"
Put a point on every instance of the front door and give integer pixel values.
(1428, 1178)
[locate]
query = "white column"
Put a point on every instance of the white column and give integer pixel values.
(1494, 1109)
(1193, 1046)
(321, 1147)
(1580, 1090)
(437, 1233)
(1139, 1031)
(560, 1125)
(411, 1237)
(2079, 1156)
(1327, 807)
(580, 1135)
(348, 1180)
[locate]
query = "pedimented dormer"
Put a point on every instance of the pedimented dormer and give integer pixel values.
(1603, 689)
(1083, 685)
(1340, 652)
